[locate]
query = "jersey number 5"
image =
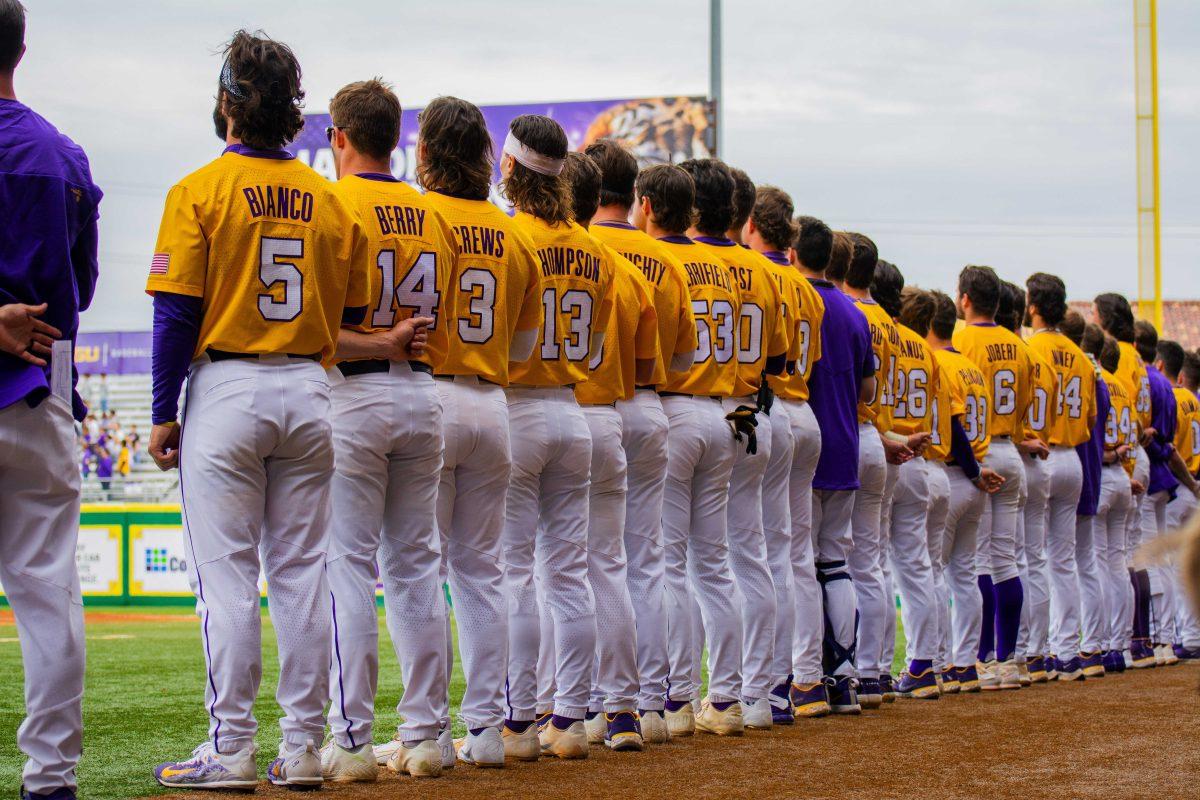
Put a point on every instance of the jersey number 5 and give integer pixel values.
(272, 271)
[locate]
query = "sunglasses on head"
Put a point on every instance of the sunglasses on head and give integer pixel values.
(329, 129)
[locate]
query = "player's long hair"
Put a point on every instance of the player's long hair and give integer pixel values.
(547, 197)
(454, 149)
(260, 91)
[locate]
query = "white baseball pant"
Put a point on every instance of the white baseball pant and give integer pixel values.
(471, 504)
(1066, 484)
(832, 516)
(387, 455)
(1091, 592)
(1035, 612)
(887, 652)
(1133, 538)
(644, 431)
(546, 529)
(777, 528)
(39, 503)
(809, 609)
(256, 463)
(1187, 626)
(997, 544)
(963, 520)
(701, 457)
(866, 554)
(935, 530)
(748, 557)
(909, 548)
(1109, 530)
(1162, 589)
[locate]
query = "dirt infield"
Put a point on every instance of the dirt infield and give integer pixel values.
(96, 617)
(1128, 736)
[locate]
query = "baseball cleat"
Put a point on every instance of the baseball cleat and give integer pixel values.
(1052, 666)
(1127, 657)
(810, 700)
(595, 726)
(207, 769)
(843, 696)
(782, 710)
(681, 722)
(869, 693)
(1008, 674)
(950, 684)
(487, 749)
(1036, 667)
(919, 687)
(757, 715)
(421, 759)
(518, 745)
(297, 767)
(888, 688)
(1169, 657)
(570, 742)
(1071, 670)
(989, 676)
(1143, 656)
(1023, 674)
(654, 727)
(1093, 664)
(61, 793)
(622, 732)
(1113, 661)
(725, 721)
(1187, 655)
(348, 765)
(382, 751)
(445, 742)
(968, 679)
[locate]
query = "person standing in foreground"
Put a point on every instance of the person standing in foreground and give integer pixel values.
(843, 378)
(497, 309)
(387, 442)
(258, 263)
(49, 206)
(644, 424)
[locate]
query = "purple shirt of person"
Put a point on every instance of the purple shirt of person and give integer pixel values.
(835, 382)
(48, 238)
(1163, 418)
(1091, 455)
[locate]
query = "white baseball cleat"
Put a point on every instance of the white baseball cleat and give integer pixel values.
(384, 751)
(522, 746)
(989, 676)
(654, 728)
(297, 767)
(1008, 675)
(569, 742)
(486, 749)
(681, 722)
(342, 765)
(421, 759)
(445, 743)
(207, 769)
(757, 714)
(596, 727)
(722, 723)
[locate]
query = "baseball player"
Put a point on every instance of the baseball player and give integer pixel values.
(843, 380)
(1188, 648)
(387, 435)
(762, 348)
(546, 522)
(787, 485)
(701, 456)
(258, 263)
(50, 207)
(497, 311)
(644, 425)
(1068, 424)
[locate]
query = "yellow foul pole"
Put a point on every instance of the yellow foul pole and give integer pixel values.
(1145, 48)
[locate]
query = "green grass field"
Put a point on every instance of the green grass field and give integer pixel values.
(143, 701)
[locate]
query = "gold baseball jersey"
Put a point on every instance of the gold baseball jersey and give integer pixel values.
(1121, 426)
(412, 255)
(1187, 429)
(969, 396)
(1007, 367)
(577, 285)
(1073, 397)
(884, 341)
(497, 288)
(274, 254)
(672, 303)
(804, 309)
(716, 305)
(762, 330)
(1039, 417)
(1132, 371)
(916, 384)
(630, 335)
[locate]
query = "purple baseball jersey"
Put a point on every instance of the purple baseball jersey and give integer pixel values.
(846, 359)
(48, 239)
(1163, 418)
(1091, 455)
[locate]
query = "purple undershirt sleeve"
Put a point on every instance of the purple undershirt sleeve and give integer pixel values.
(176, 331)
(961, 451)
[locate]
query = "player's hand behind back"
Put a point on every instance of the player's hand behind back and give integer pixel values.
(989, 480)
(24, 335)
(164, 445)
(408, 338)
(1034, 448)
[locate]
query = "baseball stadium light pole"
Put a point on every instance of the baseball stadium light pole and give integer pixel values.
(714, 70)
(1145, 48)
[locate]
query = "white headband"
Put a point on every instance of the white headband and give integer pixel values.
(531, 158)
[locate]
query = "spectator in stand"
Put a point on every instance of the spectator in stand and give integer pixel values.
(123, 457)
(135, 445)
(102, 391)
(104, 471)
(91, 427)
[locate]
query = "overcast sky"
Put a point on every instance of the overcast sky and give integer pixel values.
(951, 132)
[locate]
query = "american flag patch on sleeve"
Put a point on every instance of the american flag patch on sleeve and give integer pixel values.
(159, 264)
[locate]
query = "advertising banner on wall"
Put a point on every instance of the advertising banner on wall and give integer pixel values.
(113, 352)
(98, 558)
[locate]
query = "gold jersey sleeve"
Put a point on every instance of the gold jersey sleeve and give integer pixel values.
(1072, 395)
(969, 390)
(947, 404)
(1187, 429)
(412, 259)
(916, 384)
(577, 286)
(1132, 371)
(1007, 368)
(276, 257)
(495, 292)
(884, 341)
(664, 272)
(716, 306)
(810, 313)
(1121, 426)
(630, 336)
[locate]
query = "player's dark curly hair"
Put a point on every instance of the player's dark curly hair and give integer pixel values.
(863, 259)
(1072, 326)
(1191, 370)
(1145, 339)
(12, 34)
(1091, 340)
(917, 308)
(1171, 354)
(714, 194)
(743, 198)
(454, 149)
(981, 285)
(1115, 316)
(945, 316)
(1011, 311)
(259, 91)
(1048, 294)
(841, 250)
(772, 215)
(886, 287)
(618, 171)
(583, 176)
(1110, 354)
(547, 197)
(672, 196)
